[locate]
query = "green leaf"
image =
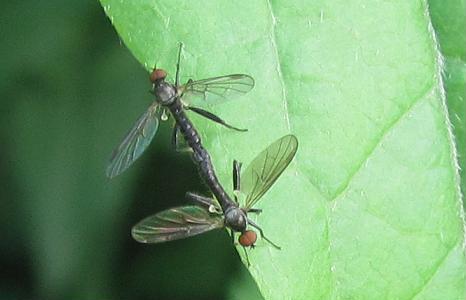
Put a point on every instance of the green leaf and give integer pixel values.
(370, 208)
(449, 21)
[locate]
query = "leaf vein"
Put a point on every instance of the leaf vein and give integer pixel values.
(273, 40)
(382, 135)
(437, 267)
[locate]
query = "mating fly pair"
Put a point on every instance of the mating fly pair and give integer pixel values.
(209, 213)
(175, 98)
(249, 186)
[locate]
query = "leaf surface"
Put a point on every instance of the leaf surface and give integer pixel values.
(370, 208)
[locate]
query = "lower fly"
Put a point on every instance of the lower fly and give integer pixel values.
(250, 185)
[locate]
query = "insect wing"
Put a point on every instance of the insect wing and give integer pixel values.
(135, 142)
(175, 223)
(264, 170)
(217, 89)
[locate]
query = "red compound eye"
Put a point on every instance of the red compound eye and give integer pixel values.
(247, 238)
(157, 74)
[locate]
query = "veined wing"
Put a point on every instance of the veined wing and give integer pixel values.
(175, 223)
(135, 142)
(217, 89)
(264, 170)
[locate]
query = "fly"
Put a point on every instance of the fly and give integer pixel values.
(185, 221)
(175, 98)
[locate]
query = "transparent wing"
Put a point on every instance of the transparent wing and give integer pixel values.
(217, 89)
(264, 170)
(175, 223)
(135, 142)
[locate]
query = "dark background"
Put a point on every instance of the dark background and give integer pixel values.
(69, 91)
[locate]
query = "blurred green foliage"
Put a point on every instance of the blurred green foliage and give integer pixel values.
(70, 90)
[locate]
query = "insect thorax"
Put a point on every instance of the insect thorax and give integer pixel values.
(164, 92)
(236, 219)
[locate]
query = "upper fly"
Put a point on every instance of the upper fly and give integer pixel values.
(177, 98)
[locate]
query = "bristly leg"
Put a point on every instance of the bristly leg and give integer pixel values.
(236, 175)
(199, 199)
(232, 235)
(236, 179)
(261, 232)
(255, 210)
(177, 76)
(178, 142)
(247, 256)
(212, 117)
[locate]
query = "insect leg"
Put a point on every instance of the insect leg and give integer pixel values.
(175, 133)
(177, 76)
(204, 201)
(236, 179)
(199, 199)
(247, 256)
(178, 141)
(232, 235)
(213, 117)
(255, 210)
(236, 175)
(250, 222)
